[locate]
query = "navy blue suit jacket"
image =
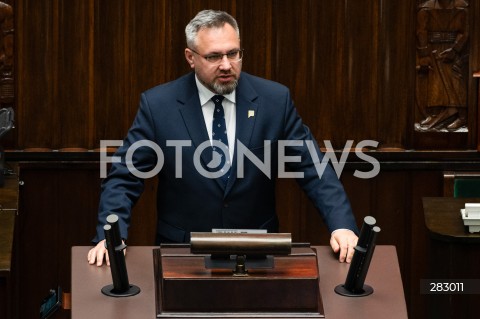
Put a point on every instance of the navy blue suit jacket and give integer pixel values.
(172, 112)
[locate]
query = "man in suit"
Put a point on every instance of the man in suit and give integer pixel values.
(203, 186)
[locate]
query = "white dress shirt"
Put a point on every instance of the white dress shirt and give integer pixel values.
(208, 106)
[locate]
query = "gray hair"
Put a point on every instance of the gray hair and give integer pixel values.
(208, 19)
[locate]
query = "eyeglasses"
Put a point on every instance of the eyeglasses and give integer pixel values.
(232, 56)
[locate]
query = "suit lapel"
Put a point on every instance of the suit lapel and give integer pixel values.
(192, 115)
(246, 111)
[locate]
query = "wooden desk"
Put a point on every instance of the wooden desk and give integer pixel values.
(454, 255)
(8, 212)
(387, 301)
(443, 219)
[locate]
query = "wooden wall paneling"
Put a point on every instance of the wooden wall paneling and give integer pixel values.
(54, 74)
(330, 73)
(290, 49)
(290, 60)
(324, 79)
(256, 29)
(342, 74)
(396, 72)
(4, 295)
(146, 60)
(453, 260)
(130, 46)
(83, 64)
(71, 81)
(53, 78)
(391, 197)
(110, 54)
(421, 184)
(58, 210)
(178, 15)
(35, 73)
(438, 306)
(77, 206)
(360, 76)
(37, 243)
(321, 63)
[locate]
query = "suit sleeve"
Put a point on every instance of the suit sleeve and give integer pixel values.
(121, 189)
(322, 187)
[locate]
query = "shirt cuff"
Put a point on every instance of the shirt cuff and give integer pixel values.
(333, 232)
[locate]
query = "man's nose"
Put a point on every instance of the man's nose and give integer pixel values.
(225, 63)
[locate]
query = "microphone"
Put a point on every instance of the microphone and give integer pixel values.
(354, 284)
(115, 247)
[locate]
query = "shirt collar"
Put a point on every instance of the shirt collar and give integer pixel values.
(205, 94)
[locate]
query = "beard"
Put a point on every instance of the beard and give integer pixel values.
(221, 88)
(226, 88)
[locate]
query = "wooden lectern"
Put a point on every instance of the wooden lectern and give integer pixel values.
(387, 300)
(185, 287)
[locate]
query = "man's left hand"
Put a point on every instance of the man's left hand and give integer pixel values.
(344, 242)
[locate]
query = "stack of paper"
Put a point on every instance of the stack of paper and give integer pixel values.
(471, 216)
(472, 210)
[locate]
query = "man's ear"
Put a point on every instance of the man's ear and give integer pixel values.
(189, 57)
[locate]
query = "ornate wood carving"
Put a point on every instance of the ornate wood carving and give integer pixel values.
(6, 55)
(442, 65)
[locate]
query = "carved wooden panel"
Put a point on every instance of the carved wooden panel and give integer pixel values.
(445, 94)
(442, 65)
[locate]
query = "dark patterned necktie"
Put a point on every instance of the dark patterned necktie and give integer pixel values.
(219, 133)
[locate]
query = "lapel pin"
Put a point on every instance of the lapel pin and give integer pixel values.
(251, 113)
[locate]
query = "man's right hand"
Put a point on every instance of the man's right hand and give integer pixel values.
(97, 253)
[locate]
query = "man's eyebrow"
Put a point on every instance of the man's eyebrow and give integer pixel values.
(218, 52)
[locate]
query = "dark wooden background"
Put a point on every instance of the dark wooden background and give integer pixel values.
(349, 63)
(80, 66)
